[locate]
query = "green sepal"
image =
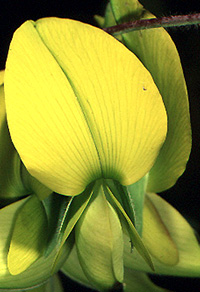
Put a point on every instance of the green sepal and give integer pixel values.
(73, 212)
(29, 236)
(137, 194)
(123, 197)
(134, 236)
(131, 198)
(55, 206)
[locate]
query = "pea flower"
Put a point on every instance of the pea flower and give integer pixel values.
(70, 133)
(89, 123)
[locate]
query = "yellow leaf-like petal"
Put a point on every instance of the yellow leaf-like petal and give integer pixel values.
(80, 106)
(29, 236)
(72, 269)
(156, 236)
(99, 243)
(181, 234)
(134, 280)
(39, 271)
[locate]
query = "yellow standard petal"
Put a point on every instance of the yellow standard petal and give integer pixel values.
(80, 106)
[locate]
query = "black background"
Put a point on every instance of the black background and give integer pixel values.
(185, 195)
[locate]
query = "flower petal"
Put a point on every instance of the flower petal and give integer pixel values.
(99, 242)
(134, 281)
(55, 207)
(140, 282)
(38, 272)
(182, 235)
(135, 239)
(157, 51)
(73, 269)
(156, 236)
(137, 194)
(73, 212)
(53, 285)
(80, 106)
(29, 236)
(15, 181)
(11, 185)
(50, 133)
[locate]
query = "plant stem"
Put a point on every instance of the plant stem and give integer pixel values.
(169, 21)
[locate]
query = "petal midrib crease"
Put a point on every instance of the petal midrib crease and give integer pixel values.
(109, 168)
(76, 96)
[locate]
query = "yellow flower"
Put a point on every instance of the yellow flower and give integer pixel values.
(83, 109)
(80, 106)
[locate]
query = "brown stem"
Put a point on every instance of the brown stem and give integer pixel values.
(169, 21)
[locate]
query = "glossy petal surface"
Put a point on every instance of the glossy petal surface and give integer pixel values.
(74, 113)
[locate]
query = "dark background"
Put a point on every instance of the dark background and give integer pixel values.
(185, 195)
